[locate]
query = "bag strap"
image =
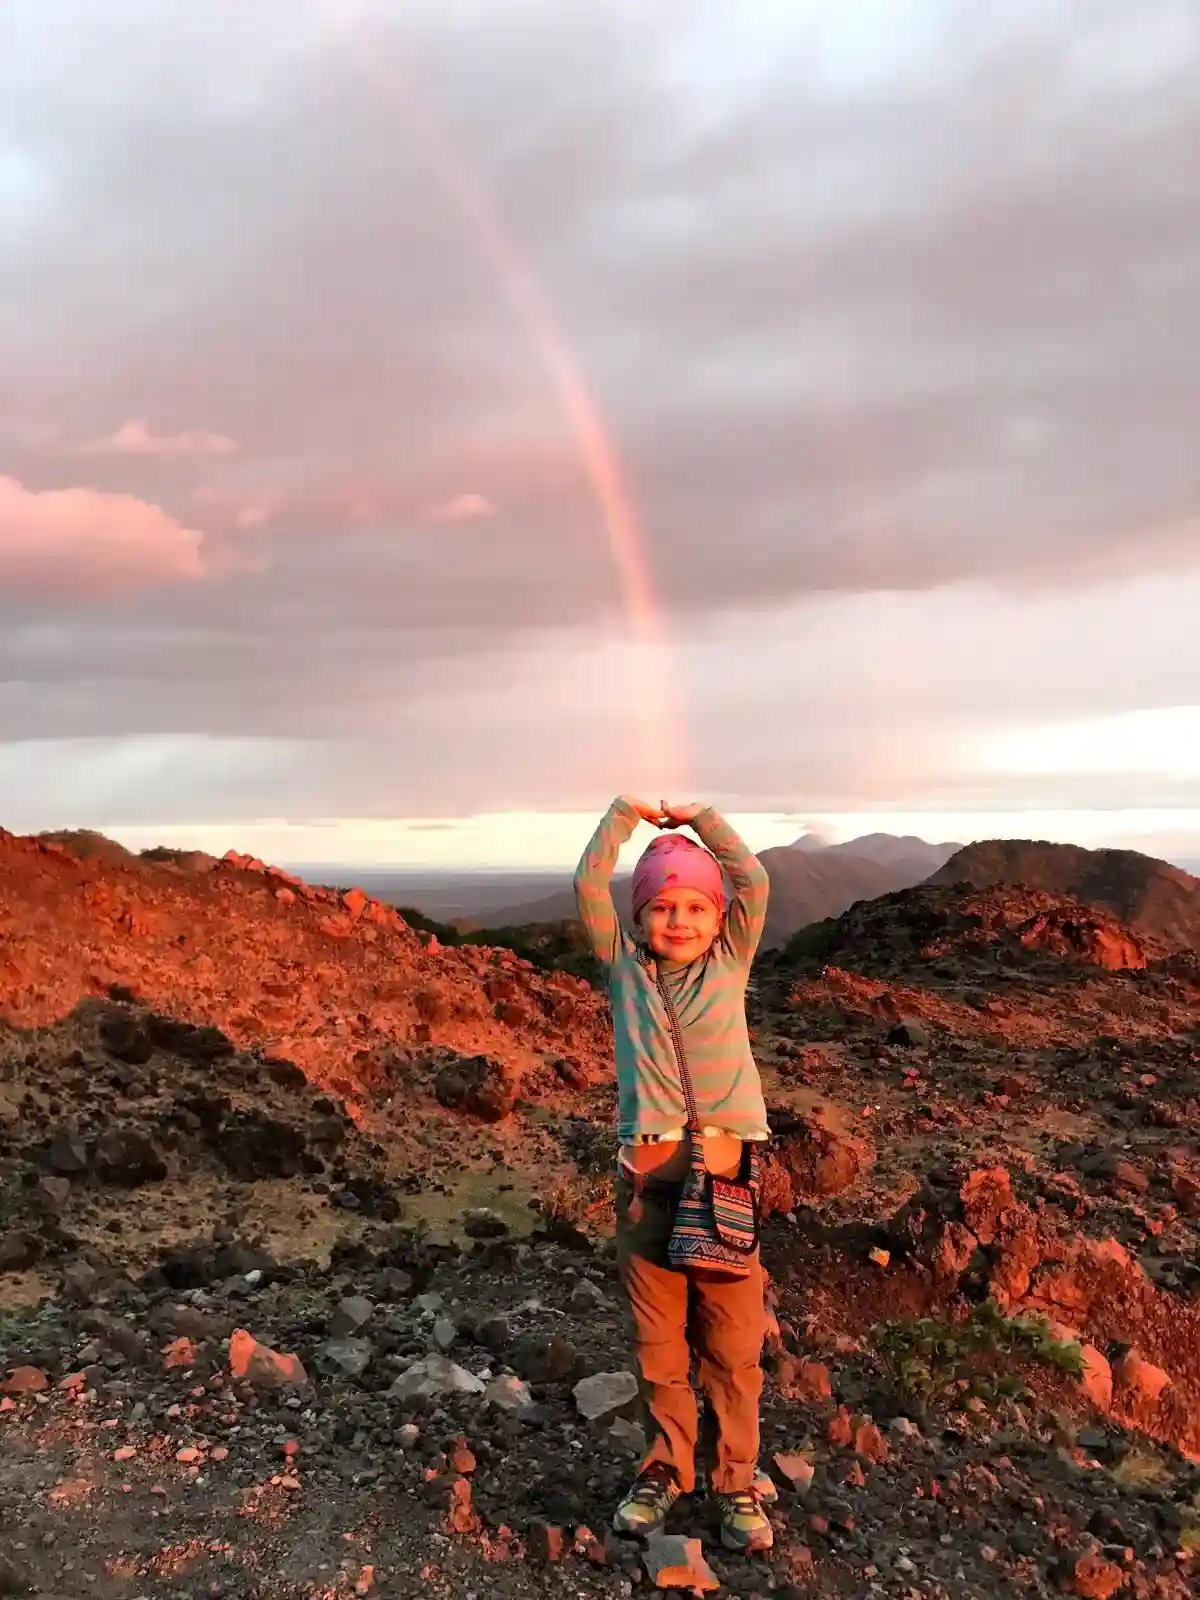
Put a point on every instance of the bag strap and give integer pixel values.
(685, 1076)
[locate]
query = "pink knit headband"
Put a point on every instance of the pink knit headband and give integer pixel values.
(674, 862)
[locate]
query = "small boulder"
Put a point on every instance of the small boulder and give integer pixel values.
(67, 1155)
(19, 1250)
(1137, 1382)
(286, 1074)
(53, 1193)
(1094, 1578)
(260, 1366)
(24, 1380)
(604, 1394)
(127, 1159)
(479, 1085)
(14, 1578)
(445, 1332)
(541, 1358)
(547, 1543)
(349, 1356)
(352, 1314)
(483, 1223)
(435, 1375)
(355, 902)
(587, 1296)
(494, 1333)
(193, 1041)
(628, 1437)
(909, 1034)
(124, 1036)
(798, 1469)
(673, 1562)
(509, 1393)
(1186, 1190)
(80, 1282)
(254, 1146)
(1096, 1379)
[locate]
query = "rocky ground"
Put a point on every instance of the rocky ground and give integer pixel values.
(341, 1317)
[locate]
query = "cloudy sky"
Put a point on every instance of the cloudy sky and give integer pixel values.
(469, 409)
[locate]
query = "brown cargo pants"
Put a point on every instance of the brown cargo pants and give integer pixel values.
(718, 1318)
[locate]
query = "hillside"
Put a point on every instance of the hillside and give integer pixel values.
(809, 881)
(336, 983)
(308, 1290)
(959, 931)
(1152, 896)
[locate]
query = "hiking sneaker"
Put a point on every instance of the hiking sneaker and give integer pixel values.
(744, 1524)
(764, 1487)
(644, 1509)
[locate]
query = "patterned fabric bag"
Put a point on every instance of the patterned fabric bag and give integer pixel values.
(716, 1221)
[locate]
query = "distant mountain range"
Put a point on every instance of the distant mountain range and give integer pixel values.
(810, 880)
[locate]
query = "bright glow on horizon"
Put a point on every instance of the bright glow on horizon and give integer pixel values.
(551, 841)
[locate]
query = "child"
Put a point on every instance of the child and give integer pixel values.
(703, 952)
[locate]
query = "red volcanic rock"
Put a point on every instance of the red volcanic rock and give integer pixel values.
(1096, 1379)
(813, 1159)
(1096, 1579)
(1137, 1382)
(24, 1380)
(260, 1366)
(1092, 937)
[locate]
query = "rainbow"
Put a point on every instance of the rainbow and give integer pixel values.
(659, 762)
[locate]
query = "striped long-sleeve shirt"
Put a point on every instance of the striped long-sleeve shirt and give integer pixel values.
(709, 994)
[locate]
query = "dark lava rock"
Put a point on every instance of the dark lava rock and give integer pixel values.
(18, 1250)
(909, 1034)
(494, 1333)
(254, 1146)
(546, 1359)
(484, 1224)
(572, 1072)
(479, 1085)
(123, 1036)
(284, 1073)
(128, 1159)
(192, 1042)
(199, 1266)
(67, 1155)
(13, 1578)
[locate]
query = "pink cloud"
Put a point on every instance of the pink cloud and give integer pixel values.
(463, 508)
(244, 508)
(135, 439)
(82, 542)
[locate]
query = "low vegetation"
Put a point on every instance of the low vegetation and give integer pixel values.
(954, 1362)
(549, 946)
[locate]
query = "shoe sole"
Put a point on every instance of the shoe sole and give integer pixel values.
(644, 1530)
(749, 1546)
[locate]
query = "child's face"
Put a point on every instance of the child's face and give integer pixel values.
(679, 924)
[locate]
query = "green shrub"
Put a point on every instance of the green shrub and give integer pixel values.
(816, 942)
(549, 946)
(932, 1360)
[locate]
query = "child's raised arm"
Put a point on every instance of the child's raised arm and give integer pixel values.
(593, 875)
(751, 885)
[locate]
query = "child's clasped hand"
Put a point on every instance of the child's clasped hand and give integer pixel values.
(664, 814)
